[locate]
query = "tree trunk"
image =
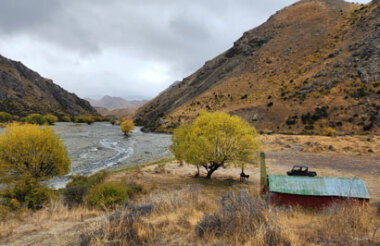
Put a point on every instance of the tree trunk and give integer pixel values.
(197, 174)
(212, 169)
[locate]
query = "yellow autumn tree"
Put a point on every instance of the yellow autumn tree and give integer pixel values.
(215, 140)
(28, 151)
(127, 126)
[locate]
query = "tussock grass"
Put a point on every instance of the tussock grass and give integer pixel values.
(188, 217)
(56, 214)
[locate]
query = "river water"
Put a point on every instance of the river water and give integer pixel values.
(99, 146)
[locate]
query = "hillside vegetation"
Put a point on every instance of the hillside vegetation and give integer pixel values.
(312, 67)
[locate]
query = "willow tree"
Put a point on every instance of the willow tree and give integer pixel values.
(28, 151)
(127, 126)
(215, 140)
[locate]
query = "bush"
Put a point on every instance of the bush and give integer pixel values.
(28, 193)
(50, 119)
(241, 218)
(107, 195)
(328, 131)
(89, 119)
(66, 118)
(78, 188)
(30, 151)
(35, 119)
(5, 117)
(111, 120)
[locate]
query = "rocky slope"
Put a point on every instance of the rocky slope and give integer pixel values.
(23, 91)
(313, 65)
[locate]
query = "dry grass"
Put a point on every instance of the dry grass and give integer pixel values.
(55, 222)
(189, 217)
(182, 210)
(357, 145)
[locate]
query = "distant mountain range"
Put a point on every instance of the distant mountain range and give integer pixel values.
(112, 103)
(313, 66)
(23, 91)
(116, 106)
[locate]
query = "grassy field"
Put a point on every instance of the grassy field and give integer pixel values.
(178, 209)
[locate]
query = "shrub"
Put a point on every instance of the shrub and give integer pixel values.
(30, 151)
(5, 117)
(89, 119)
(28, 193)
(78, 188)
(328, 131)
(107, 195)
(241, 218)
(111, 120)
(66, 118)
(50, 119)
(345, 224)
(35, 119)
(127, 126)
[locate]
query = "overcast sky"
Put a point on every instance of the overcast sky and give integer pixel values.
(128, 48)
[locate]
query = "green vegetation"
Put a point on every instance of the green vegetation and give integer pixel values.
(50, 119)
(127, 126)
(5, 117)
(215, 140)
(107, 195)
(94, 192)
(27, 193)
(35, 119)
(66, 118)
(89, 119)
(79, 187)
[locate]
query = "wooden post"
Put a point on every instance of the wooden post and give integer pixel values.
(263, 174)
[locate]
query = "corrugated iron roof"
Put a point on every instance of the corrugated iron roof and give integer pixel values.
(318, 186)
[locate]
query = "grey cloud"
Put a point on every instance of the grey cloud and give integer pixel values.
(107, 46)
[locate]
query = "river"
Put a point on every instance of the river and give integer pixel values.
(99, 146)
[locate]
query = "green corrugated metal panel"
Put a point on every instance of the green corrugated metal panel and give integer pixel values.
(318, 186)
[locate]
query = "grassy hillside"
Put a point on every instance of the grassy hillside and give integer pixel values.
(311, 66)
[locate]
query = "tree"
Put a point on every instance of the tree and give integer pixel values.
(51, 119)
(215, 140)
(127, 126)
(28, 151)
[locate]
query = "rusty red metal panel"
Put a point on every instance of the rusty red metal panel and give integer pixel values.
(315, 202)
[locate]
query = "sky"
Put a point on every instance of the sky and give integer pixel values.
(125, 48)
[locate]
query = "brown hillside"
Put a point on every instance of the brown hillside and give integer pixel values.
(23, 91)
(313, 65)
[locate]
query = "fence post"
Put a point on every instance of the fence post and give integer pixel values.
(263, 174)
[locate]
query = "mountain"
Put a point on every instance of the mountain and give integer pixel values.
(115, 106)
(312, 66)
(116, 113)
(23, 91)
(112, 103)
